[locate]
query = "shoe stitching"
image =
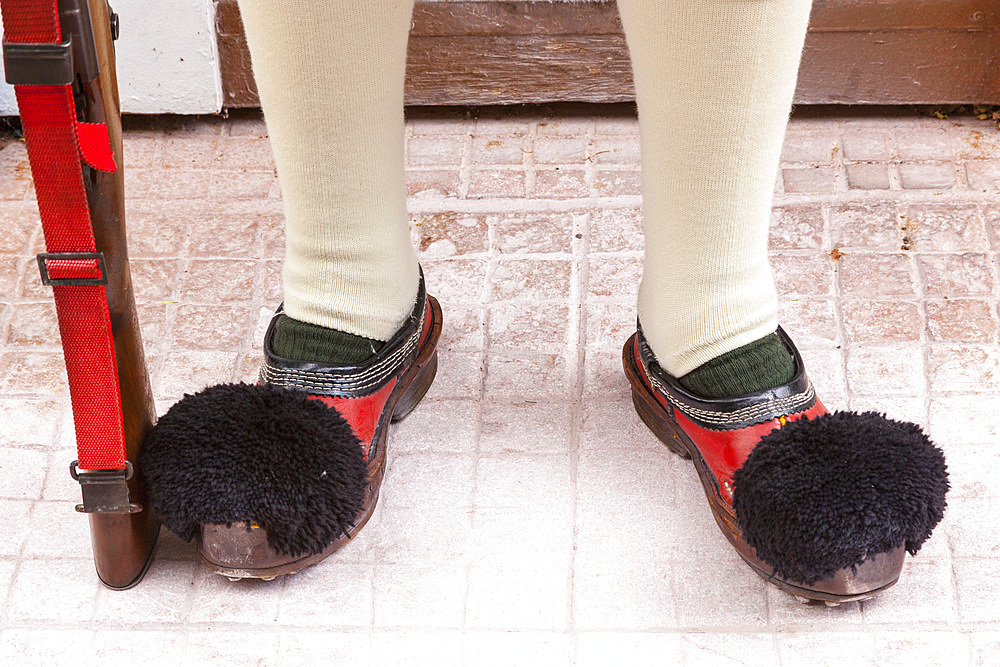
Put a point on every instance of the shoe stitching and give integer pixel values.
(774, 407)
(371, 377)
(321, 386)
(319, 379)
(383, 368)
(749, 413)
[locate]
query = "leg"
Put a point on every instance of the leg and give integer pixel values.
(710, 375)
(330, 76)
(274, 477)
(714, 82)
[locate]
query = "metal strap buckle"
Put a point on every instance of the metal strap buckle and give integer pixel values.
(43, 269)
(49, 64)
(105, 491)
(38, 64)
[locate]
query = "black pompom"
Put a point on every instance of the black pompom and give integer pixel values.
(819, 495)
(256, 453)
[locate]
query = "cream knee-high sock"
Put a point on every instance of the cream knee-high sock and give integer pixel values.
(714, 81)
(330, 76)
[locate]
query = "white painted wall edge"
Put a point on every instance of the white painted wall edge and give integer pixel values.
(167, 58)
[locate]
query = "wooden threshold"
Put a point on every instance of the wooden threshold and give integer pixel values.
(510, 52)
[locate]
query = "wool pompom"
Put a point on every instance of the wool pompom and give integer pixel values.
(257, 454)
(818, 495)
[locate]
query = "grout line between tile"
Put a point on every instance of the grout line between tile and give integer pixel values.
(578, 297)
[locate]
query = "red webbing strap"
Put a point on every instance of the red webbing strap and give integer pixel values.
(53, 138)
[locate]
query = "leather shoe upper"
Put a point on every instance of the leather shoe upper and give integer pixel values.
(358, 391)
(725, 430)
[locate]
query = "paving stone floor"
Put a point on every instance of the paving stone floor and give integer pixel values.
(527, 518)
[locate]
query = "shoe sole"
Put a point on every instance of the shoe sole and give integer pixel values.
(868, 579)
(218, 542)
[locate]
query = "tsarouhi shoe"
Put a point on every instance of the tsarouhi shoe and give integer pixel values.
(824, 506)
(274, 477)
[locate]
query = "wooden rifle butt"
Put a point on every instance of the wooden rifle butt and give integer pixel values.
(123, 543)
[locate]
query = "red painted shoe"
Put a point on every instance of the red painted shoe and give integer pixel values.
(822, 505)
(274, 477)
(384, 388)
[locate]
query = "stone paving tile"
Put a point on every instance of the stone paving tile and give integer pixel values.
(47, 647)
(149, 647)
(814, 321)
(933, 648)
(336, 594)
(324, 647)
(872, 321)
(983, 174)
(867, 145)
(614, 183)
(809, 180)
(869, 176)
(941, 227)
(496, 649)
(527, 426)
(166, 602)
(785, 612)
(976, 599)
(966, 274)
(616, 229)
(204, 646)
(604, 648)
(531, 377)
(403, 595)
(528, 516)
(870, 276)
(934, 176)
(531, 233)
(531, 280)
(827, 648)
(412, 648)
(984, 647)
(421, 535)
(868, 226)
(796, 227)
(14, 527)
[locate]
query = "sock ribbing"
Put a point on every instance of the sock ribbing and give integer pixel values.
(330, 77)
(713, 108)
(756, 366)
(307, 342)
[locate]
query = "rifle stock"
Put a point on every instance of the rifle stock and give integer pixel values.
(123, 543)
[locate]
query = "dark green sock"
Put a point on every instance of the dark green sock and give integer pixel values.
(307, 342)
(756, 366)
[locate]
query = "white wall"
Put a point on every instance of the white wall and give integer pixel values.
(167, 60)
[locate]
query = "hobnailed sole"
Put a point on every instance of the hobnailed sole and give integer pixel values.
(231, 550)
(871, 577)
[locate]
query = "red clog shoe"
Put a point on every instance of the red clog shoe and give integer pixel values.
(822, 505)
(275, 477)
